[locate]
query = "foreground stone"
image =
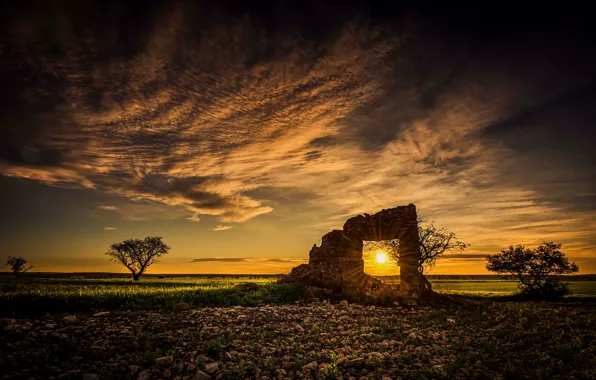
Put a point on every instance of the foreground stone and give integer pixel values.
(309, 341)
(338, 264)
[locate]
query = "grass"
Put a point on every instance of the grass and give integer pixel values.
(38, 295)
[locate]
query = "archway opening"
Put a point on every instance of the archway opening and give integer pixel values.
(380, 259)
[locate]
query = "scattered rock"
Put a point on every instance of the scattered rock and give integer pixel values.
(70, 319)
(88, 376)
(211, 368)
(133, 368)
(343, 303)
(145, 375)
(102, 314)
(164, 360)
(200, 375)
(310, 366)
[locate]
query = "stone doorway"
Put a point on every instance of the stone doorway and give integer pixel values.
(338, 263)
(380, 259)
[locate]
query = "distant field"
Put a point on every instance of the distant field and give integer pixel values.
(35, 295)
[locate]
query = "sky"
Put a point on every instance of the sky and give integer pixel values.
(241, 134)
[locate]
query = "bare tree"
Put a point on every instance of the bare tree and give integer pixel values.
(434, 242)
(17, 265)
(137, 255)
(535, 270)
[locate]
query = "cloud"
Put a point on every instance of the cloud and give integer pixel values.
(464, 256)
(220, 259)
(108, 208)
(194, 218)
(221, 227)
(109, 228)
(246, 259)
(226, 124)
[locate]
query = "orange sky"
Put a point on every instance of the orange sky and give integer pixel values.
(242, 144)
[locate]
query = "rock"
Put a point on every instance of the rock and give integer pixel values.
(164, 360)
(167, 373)
(200, 375)
(74, 374)
(181, 307)
(337, 264)
(343, 303)
(211, 368)
(145, 375)
(450, 320)
(134, 368)
(386, 378)
(102, 314)
(299, 328)
(69, 319)
(310, 366)
(88, 376)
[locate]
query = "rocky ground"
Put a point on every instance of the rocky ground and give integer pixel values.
(318, 340)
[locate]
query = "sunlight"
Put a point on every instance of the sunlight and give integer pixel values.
(381, 257)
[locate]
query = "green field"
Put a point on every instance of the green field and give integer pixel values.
(38, 295)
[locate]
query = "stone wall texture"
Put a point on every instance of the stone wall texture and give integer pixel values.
(338, 264)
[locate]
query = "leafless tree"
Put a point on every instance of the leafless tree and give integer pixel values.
(137, 255)
(434, 242)
(17, 265)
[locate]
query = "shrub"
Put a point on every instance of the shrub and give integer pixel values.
(535, 270)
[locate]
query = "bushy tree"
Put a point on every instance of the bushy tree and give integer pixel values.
(535, 270)
(137, 255)
(17, 265)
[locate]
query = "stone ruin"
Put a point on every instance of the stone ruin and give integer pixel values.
(338, 263)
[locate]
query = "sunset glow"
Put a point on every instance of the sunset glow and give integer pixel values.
(242, 144)
(381, 257)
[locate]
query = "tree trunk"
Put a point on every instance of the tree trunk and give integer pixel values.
(135, 276)
(426, 283)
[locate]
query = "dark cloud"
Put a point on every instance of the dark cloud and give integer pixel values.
(481, 117)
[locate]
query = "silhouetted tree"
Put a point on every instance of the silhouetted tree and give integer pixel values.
(434, 242)
(535, 270)
(17, 265)
(137, 255)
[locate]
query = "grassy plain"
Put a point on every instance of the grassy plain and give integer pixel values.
(37, 295)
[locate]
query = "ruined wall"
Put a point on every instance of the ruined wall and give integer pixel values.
(338, 264)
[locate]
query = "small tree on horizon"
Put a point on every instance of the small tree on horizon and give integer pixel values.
(535, 270)
(137, 255)
(17, 265)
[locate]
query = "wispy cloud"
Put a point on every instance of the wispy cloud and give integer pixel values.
(221, 259)
(109, 228)
(108, 208)
(246, 259)
(221, 227)
(350, 124)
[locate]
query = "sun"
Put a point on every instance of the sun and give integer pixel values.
(381, 257)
